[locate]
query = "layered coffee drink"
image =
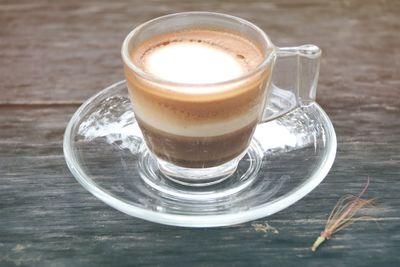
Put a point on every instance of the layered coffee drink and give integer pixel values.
(199, 94)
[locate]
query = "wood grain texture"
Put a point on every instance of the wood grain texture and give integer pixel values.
(55, 54)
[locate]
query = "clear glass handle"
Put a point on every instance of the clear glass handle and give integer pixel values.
(294, 79)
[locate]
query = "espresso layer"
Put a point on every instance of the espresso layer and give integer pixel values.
(197, 152)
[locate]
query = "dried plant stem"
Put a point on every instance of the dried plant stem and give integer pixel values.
(342, 215)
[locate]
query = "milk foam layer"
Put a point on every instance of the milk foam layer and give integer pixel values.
(197, 56)
(194, 63)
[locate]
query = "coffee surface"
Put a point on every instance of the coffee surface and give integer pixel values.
(197, 56)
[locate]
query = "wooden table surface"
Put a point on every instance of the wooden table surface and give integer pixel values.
(56, 54)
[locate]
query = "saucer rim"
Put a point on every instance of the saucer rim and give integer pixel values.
(216, 220)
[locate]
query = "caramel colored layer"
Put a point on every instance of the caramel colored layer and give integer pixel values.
(195, 116)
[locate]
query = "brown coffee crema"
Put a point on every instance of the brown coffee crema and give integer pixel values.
(197, 125)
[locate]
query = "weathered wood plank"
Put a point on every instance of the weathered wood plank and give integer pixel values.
(49, 219)
(70, 50)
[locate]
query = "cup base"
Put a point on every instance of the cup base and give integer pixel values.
(198, 176)
(200, 184)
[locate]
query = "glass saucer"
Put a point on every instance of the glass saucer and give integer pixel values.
(288, 157)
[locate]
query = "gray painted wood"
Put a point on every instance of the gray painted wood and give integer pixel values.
(56, 54)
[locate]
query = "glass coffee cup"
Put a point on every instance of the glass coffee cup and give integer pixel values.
(199, 123)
